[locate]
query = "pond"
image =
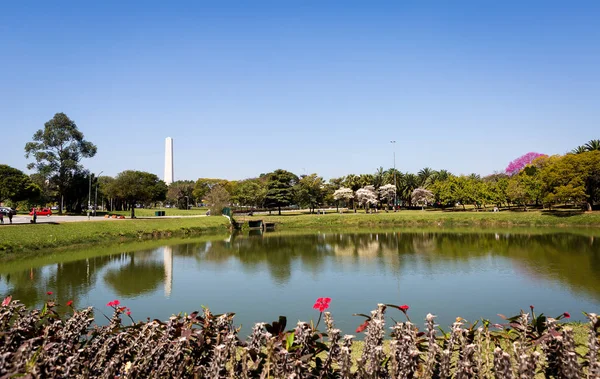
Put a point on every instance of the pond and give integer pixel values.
(259, 277)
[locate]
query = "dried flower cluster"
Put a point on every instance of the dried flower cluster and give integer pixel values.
(43, 344)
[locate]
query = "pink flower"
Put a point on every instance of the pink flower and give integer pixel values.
(128, 313)
(6, 301)
(404, 308)
(70, 303)
(566, 315)
(322, 303)
(49, 293)
(113, 303)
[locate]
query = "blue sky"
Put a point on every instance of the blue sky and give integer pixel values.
(309, 86)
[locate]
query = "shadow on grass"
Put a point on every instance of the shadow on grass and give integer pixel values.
(556, 213)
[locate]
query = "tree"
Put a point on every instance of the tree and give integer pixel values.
(15, 185)
(217, 199)
(250, 192)
(592, 145)
(180, 192)
(388, 192)
(57, 150)
(422, 196)
(425, 176)
(280, 189)
(139, 187)
(518, 164)
(344, 193)
(366, 197)
(310, 191)
(204, 185)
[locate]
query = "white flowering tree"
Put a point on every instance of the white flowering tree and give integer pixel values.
(345, 194)
(422, 196)
(366, 197)
(388, 193)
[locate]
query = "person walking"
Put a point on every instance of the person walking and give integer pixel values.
(10, 217)
(34, 216)
(1, 217)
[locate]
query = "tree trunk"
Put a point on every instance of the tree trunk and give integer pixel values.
(133, 209)
(589, 206)
(279, 207)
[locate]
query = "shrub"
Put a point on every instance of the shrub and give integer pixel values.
(41, 343)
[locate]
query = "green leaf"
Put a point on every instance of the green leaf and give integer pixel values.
(289, 341)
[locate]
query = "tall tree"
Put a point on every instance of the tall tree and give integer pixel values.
(15, 185)
(280, 189)
(139, 187)
(57, 150)
(310, 191)
(217, 199)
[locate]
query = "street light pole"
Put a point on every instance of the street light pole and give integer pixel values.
(96, 196)
(89, 197)
(395, 187)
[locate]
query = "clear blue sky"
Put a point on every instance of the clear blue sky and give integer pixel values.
(309, 86)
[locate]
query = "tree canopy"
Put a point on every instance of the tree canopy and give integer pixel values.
(280, 189)
(57, 150)
(15, 185)
(139, 187)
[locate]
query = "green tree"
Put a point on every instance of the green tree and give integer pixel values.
(217, 199)
(139, 187)
(16, 186)
(180, 193)
(250, 192)
(310, 191)
(204, 185)
(280, 189)
(57, 150)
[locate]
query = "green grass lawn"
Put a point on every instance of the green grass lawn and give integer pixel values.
(27, 237)
(432, 218)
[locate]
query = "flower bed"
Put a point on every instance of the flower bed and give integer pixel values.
(41, 343)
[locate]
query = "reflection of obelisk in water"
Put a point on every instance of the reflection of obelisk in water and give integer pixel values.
(169, 175)
(168, 263)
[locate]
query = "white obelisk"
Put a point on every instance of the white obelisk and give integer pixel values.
(169, 160)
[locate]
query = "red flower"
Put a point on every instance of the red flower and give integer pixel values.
(70, 303)
(322, 303)
(6, 301)
(404, 308)
(531, 306)
(49, 293)
(566, 315)
(113, 303)
(362, 326)
(128, 313)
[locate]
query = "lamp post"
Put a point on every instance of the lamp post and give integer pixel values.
(89, 197)
(395, 187)
(96, 196)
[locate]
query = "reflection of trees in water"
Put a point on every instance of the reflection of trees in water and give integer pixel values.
(572, 259)
(140, 274)
(68, 281)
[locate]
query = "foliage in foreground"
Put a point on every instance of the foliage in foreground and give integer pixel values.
(40, 343)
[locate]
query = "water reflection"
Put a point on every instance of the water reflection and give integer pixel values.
(286, 273)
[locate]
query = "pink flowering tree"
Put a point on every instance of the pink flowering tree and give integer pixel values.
(518, 164)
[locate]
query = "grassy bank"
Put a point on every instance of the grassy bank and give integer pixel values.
(20, 238)
(28, 237)
(432, 218)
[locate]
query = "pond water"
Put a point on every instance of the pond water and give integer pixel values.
(260, 277)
